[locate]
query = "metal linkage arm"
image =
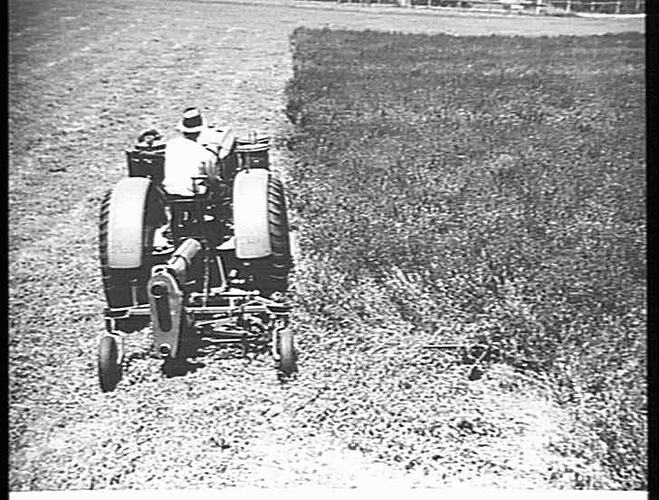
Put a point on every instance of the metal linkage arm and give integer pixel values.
(166, 297)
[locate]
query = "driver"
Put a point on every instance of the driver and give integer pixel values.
(185, 158)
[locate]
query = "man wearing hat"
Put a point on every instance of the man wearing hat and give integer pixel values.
(185, 158)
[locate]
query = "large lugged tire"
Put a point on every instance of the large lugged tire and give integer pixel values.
(261, 230)
(274, 275)
(131, 226)
(270, 274)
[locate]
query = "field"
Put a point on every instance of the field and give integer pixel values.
(489, 189)
(371, 405)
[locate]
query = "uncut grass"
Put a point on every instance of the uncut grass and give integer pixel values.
(495, 183)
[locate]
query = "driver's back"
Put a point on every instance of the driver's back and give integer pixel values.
(185, 159)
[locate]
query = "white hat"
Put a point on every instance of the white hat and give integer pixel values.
(192, 121)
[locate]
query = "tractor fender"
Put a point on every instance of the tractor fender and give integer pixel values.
(128, 206)
(250, 214)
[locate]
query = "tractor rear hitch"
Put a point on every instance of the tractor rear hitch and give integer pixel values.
(165, 350)
(161, 300)
(167, 298)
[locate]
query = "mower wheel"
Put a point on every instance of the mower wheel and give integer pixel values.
(287, 364)
(109, 363)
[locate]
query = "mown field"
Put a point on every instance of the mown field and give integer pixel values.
(490, 191)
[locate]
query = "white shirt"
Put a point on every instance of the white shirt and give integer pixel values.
(185, 159)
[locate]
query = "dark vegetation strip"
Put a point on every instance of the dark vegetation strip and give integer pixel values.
(492, 182)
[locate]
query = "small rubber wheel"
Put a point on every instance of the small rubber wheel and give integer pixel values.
(287, 357)
(109, 364)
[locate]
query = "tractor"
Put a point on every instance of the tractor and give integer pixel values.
(214, 264)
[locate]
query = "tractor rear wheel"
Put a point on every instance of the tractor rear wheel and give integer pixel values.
(272, 272)
(118, 282)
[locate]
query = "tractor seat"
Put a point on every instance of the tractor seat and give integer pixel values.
(200, 191)
(182, 199)
(181, 203)
(188, 213)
